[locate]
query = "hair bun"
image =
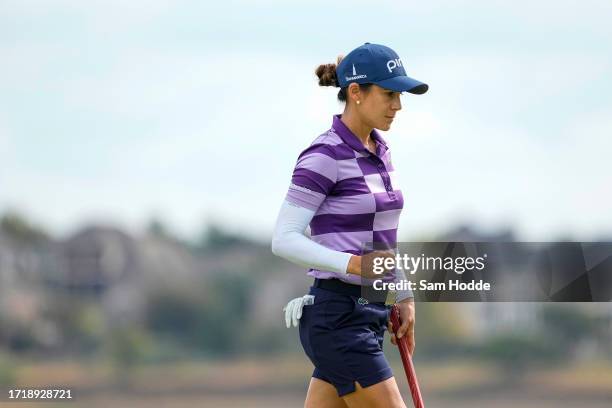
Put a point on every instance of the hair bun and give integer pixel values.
(327, 73)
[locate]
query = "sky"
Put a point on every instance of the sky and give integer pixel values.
(115, 112)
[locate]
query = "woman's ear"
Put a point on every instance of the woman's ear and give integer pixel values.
(354, 92)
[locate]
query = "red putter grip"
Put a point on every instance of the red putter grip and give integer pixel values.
(402, 343)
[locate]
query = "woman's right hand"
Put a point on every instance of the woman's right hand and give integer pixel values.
(364, 265)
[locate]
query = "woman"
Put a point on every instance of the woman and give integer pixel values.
(343, 187)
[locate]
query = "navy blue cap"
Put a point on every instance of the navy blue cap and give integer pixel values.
(380, 65)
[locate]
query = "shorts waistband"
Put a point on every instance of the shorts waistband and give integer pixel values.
(365, 292)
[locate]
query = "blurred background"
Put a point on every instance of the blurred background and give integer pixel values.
(146, 148)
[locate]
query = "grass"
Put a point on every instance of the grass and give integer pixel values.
(282, 381)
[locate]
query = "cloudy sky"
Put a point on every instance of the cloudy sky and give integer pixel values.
(115, 111)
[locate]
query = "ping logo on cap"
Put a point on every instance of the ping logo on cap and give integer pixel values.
(394, 63)
(377, 64)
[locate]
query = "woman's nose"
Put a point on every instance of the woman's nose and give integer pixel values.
(397, 103)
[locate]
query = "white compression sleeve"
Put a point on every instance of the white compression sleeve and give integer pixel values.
(289, 242)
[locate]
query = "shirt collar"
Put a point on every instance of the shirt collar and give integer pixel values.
(353, 141)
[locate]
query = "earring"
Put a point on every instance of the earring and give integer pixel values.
(358, 102)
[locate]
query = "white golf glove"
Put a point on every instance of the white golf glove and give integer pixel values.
(293, 310)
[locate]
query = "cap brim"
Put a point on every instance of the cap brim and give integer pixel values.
(404, 84)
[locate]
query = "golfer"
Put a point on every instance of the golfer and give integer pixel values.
(344, 187)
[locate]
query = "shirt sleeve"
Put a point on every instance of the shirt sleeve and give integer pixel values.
(289, 242)
(314, 177)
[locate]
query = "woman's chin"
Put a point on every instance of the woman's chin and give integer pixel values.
(385, 126)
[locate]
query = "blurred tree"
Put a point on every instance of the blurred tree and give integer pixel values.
(90, 328)
(128, 347)
(16, 226)
(513, 353)
(7, 371)
(172, 312)
(214, 238)
(225, 317)
(568, 324)
(158, 228)
(209, 318)
(20, 338)
(441, 330)
(80, 323)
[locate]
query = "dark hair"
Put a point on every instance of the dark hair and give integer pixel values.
(327, 77)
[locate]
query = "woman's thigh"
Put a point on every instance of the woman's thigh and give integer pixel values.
(384, 394)
(322, 394)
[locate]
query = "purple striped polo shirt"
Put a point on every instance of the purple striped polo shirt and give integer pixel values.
(353, 192)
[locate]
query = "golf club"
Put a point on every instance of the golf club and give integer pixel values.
(402, 343)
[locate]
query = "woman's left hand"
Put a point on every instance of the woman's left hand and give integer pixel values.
(407, 317)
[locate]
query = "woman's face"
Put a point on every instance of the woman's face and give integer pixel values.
(378, 107)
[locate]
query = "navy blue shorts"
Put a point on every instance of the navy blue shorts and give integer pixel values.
(344, 340)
